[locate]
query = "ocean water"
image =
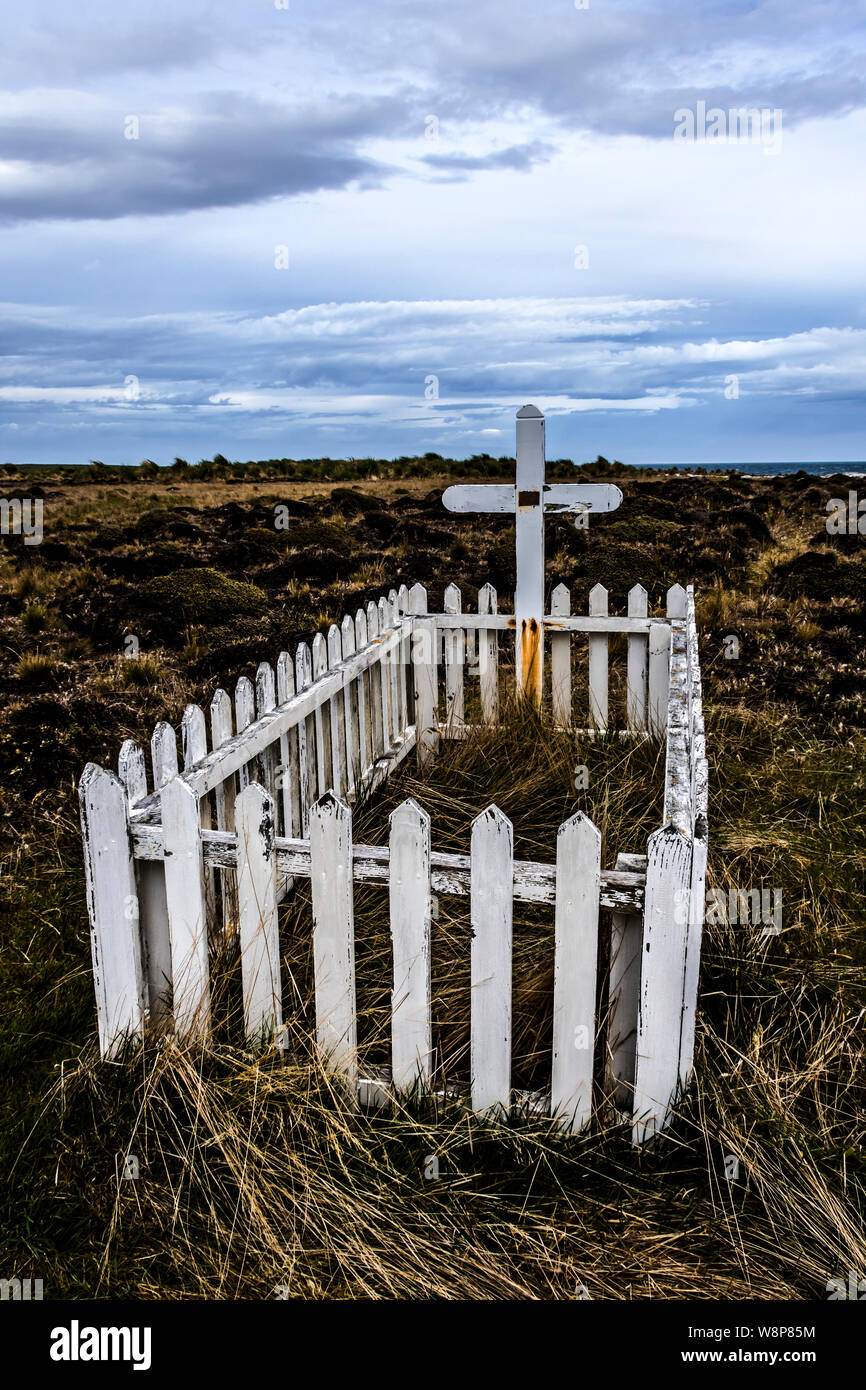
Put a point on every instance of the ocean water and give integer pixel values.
(765, 470)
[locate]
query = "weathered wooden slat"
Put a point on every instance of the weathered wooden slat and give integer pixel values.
(389, 679)
(659, 664)
(132, 771)
(598, 660)
(378, 690)
(636, 690)
(194, 743)
(404, 609)
(410, 911)
(403, 719)
(193, 735)
(626, 936)
(578, 878)
(339, 775)
(306, 775)
(334, 934)
(424, 674)
(700, 830)
(154, 910)
(455, 646)
(488, 657)
(320, 667)
(350, 709)
(118, 971)
(560, 660)
(289, 799)
(533, 883)
(676, 601)
(245, 713)
(553, 622)
(224, 802)
(657, 1062)
(266, 700)
(187, 914)
(257, 914)
(163, 752)
(491, 869)
(365, 728)
(150, 886)
(677, 773)
(696, 903)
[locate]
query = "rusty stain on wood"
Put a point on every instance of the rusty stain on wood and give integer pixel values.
(530, 658)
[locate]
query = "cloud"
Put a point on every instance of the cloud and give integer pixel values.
(225, 150)
(519, 157)
(311, 92)
(369, 364)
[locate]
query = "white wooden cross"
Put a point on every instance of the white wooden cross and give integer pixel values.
(529, 500)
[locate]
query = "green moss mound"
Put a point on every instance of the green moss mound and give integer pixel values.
(204, 596)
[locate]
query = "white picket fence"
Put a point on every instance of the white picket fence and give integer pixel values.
(267, 800)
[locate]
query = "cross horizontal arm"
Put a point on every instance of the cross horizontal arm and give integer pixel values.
(574, 497)
(557, 497)
(480, 497)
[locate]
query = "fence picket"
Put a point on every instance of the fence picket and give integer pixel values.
(636, 691)
(163, 752)
(398, 683)
(266, 700)
(288, 752)
(676, 601)
(424, 675)
(560, 660)
(306, 777)
(339, 774)
(320, 666)
(492, 875)
(153, 917)
(598, 654)
(657, 1055)
(659, 664)
(626, 946)
(245, 713)
(404, 609)
(409, 888)
(154, 908)
(257, 914)
(193, 730)
(350, 709)
(224, 801)
(488, 658)
(334, 933)
(364, 713)
(187, 912)
(132, 771)
(578, 883)
(115, 943)
(455, 644)
(378, 709)
(389, 711)
(699, 822)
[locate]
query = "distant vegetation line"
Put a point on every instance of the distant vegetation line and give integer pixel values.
(325, 470)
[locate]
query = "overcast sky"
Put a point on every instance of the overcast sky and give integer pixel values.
(342, 229)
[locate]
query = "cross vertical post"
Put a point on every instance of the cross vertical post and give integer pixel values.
(529, 589)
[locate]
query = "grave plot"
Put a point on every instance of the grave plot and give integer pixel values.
(188, 869)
